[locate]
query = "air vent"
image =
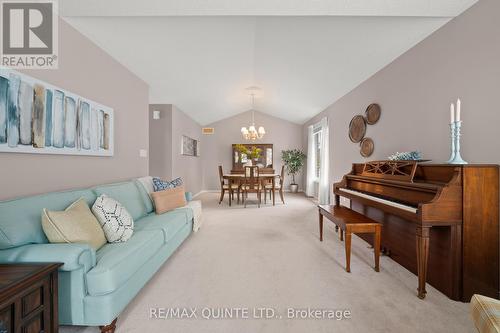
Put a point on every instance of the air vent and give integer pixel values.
(208, 130)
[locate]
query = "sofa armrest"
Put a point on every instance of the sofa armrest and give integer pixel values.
(74, 256)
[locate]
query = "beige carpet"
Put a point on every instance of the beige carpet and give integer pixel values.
(272, 257)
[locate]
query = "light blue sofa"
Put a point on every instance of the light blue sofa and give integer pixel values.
(94, 287)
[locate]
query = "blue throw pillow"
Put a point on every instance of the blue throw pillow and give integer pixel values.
(160, 185)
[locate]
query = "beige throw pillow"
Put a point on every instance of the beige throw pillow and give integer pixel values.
(76, 224)
(169, 199)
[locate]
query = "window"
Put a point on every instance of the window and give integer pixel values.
(317, 152)
(318, 183)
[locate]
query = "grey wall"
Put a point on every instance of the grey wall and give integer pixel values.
(217, 148)
(160, 141)
(165, 140)
(187, 167)
(462, 59)
(87, 70)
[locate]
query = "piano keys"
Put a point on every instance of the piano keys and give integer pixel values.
(410, 209)
(440, 221)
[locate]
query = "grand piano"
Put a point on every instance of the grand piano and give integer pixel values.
(440, 221)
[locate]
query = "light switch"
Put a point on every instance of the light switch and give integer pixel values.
(143, 153)
(156, 115)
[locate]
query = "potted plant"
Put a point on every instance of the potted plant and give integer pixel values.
(294, 161)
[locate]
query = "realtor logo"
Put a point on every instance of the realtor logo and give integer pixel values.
(29, 34)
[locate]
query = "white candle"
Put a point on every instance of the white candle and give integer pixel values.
(458, 109)
(452, 113)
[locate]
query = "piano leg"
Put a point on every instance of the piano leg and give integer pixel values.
(422, 257)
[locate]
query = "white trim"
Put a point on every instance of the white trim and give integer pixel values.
(199, 193)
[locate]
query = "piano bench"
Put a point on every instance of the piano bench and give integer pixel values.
(351, 222)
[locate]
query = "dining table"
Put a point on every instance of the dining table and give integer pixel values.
(263, 177)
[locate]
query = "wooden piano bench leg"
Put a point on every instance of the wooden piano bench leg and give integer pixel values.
(376, 245)
(348, 250)
(320, 227)
(109, 328)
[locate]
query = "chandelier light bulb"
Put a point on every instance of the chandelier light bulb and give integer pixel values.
(252, 133)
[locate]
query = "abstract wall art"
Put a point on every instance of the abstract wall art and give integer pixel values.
(190, 147)
(37, 117)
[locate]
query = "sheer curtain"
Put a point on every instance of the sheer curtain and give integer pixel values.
(310, 177)
(324, 183)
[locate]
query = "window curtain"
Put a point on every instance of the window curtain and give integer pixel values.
(310, 162)
(324, 183)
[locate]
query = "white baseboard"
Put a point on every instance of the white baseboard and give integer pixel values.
(199, 193)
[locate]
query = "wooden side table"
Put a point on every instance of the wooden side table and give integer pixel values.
(28, 298)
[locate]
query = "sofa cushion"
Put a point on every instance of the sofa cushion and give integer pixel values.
(169, 199)
(20, 219)
(160, 185)
(169, 223)
(76, 224)
(128, 194)
(117, 262)
(114, 219)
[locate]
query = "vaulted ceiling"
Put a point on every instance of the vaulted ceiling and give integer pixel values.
(303, 54)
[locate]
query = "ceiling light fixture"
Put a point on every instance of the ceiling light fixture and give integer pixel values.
(251, 133)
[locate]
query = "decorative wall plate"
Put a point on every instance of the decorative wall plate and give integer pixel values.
(372, 114)
(357, 128)
(366, 147)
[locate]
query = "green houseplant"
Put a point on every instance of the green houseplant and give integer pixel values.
(294, 161)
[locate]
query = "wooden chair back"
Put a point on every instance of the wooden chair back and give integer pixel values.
(251, 179)
(282, 176)
(221, 176)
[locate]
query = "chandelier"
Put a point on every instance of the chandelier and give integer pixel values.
(251, 133)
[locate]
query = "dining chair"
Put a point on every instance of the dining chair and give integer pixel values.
(251, 184)
(277, 187)
(229, 187)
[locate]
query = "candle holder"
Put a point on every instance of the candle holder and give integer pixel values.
(456, 158)
(452, 147)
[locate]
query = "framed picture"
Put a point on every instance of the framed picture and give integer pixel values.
(39, 118)
(190, 146)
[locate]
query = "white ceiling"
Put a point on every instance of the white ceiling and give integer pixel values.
(203, 64)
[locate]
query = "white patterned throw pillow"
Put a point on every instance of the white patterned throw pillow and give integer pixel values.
(114, 219)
